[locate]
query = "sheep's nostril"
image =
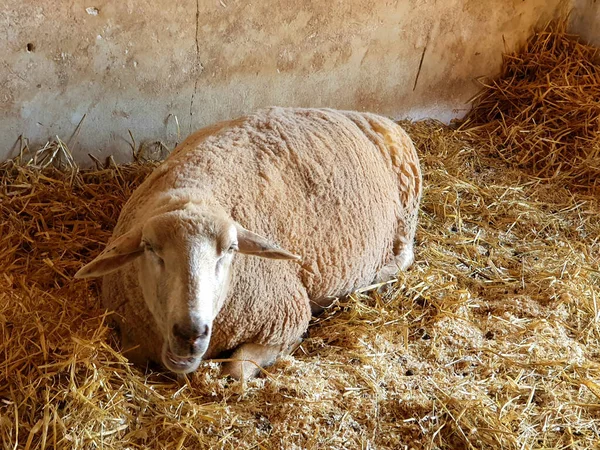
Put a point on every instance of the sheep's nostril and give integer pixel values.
(204, 330)
(179, 332)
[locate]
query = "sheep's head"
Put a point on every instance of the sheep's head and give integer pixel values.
(183, 260)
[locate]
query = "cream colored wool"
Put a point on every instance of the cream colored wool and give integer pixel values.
(339, 188)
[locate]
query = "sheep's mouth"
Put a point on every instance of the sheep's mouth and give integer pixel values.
(179, 364)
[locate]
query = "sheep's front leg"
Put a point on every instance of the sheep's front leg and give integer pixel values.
(248, 359)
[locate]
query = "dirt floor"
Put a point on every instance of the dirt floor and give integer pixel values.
(490, 340)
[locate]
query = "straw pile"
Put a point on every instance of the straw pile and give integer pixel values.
(491, 340)
(543, 112)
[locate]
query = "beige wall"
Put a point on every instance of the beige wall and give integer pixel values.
(585, 20)
(136, 64)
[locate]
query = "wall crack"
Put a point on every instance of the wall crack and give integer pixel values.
(421, 61)
(198, 67)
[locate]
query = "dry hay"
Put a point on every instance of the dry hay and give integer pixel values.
(543, 112)
(491, 340)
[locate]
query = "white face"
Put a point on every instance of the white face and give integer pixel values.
(184, 274)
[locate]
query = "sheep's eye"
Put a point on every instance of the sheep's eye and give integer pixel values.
(148, 247)
(233, 247)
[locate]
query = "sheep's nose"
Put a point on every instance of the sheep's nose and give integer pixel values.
(191, 334)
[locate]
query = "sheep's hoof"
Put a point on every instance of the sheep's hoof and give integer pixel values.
(248, 360)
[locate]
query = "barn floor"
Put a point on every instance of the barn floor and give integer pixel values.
(491, 339)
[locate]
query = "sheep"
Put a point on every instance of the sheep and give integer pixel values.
(333, 195)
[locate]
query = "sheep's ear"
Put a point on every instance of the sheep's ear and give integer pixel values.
(119, 252)
(250, 243)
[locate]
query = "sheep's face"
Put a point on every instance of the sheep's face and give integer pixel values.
(183, 261)
(184, 273)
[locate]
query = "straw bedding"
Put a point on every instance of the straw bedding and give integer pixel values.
(543, 112)
(491, 339)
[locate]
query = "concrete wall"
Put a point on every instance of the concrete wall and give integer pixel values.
(137, 64)
(585, 20)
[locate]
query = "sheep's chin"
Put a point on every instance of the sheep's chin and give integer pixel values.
(178, 364)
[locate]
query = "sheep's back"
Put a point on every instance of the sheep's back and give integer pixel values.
(311, 180)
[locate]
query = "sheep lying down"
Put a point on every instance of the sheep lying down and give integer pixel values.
(250, 225)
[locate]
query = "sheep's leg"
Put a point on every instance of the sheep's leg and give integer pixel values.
(249, 358)
(403, 258)
(409, 188)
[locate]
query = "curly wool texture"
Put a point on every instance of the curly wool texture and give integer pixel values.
(339, 188)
